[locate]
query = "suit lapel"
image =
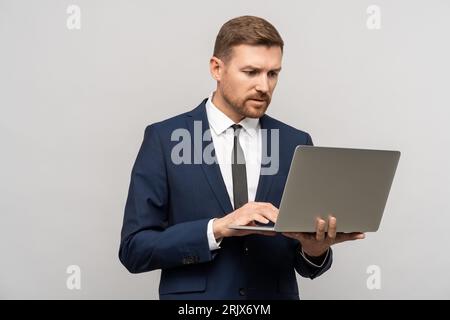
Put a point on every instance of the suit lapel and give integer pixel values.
(211, 171)
(265, 181)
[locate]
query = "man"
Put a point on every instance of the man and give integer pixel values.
(178, 212)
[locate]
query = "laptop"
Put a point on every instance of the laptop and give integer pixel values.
(350, 184)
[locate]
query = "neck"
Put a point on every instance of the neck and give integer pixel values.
(222, 105)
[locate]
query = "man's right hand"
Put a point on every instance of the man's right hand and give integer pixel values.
(247, 215)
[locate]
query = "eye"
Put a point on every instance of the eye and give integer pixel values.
(273, 74)
(250, 72)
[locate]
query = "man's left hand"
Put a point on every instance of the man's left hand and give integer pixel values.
(316, 244)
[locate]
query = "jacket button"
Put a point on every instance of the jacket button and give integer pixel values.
(188, 260)
(242, 291)
(246, 250)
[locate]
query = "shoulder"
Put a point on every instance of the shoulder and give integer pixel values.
(167, 126)
(288, 131)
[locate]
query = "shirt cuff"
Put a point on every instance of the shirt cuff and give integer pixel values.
(312, 263)
(212, 242)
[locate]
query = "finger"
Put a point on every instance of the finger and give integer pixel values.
(260, 218)
(332, 228)
(342, 237)
(271, 206)
(270, 213)
(267, 233)
(268, 210)
(320, 229)
(246, 222)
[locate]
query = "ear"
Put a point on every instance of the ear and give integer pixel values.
(216, 67)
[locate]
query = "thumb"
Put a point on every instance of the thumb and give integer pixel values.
(342, 237)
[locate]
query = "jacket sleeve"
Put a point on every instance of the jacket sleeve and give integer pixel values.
(307, 269)
(147, 240)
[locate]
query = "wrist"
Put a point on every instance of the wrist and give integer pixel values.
(316, 261)
(218, 228)
(314, 254)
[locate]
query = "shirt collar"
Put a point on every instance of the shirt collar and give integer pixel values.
(220, 122)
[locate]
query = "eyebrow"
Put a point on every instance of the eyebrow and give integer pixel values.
(259, 69)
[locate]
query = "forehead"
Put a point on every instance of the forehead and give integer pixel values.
(257, 56)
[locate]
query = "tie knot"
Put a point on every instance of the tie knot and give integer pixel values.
(236, 128)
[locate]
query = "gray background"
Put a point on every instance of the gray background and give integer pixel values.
(74, 105)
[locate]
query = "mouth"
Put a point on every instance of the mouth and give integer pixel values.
(258, 100)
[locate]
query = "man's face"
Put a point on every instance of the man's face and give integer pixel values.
(249, 78)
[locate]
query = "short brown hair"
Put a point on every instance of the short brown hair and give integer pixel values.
(245, 30)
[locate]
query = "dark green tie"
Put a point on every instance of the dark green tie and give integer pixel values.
(239, 171)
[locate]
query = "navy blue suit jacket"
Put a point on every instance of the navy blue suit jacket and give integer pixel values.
(168, 209)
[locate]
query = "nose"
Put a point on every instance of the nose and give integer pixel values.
(263, 84)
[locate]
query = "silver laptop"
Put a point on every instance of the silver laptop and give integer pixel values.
(350, 184)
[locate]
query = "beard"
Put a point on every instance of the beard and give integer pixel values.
(253, 106)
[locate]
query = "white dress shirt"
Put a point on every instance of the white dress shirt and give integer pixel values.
(223, 139)
(250, 140)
